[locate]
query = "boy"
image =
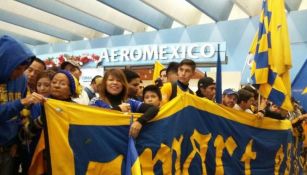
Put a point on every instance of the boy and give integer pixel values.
(186, 70)
(152, 95)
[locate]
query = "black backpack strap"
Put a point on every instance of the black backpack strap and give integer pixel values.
(174, 91)
(89, 93)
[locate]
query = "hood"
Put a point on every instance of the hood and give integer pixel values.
(12, 54)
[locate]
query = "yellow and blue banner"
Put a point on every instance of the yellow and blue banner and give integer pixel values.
(190, 135)
(272, 55)
(299, 86)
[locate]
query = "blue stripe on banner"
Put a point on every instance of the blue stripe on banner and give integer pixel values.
(269, 40)
(253, 78)
(261, 60)
(132, 155)
(271, 77)
(276, 97)
(262, 31)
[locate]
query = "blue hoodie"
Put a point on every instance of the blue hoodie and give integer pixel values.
(12, 54)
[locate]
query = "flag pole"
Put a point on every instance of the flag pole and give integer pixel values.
(218, 95)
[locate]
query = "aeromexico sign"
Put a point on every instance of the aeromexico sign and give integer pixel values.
(202, 52)
(148, 54)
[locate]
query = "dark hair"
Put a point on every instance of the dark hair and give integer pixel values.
(172, 67)
(117, 73)
(188, 62)
(162, 71)
(244, 95)
(94, 79)
(45, 74)
(39, 61)
(251, 89)
(130, 75)
(27, 62)
(158, 82)
(152, 88)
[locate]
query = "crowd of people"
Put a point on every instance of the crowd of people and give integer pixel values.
(26, 83)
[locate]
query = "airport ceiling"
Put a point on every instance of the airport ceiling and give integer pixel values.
(37, 22)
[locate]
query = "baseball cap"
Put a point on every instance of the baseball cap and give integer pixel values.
(74, 63)
(230, 91)
(205, 82)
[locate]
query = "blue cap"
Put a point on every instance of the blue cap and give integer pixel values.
(230, 91)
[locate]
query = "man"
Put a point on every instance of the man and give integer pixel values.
(171, 72)
(73, 67)
(163, 75)
(170, 90)
(245, 100)
(93, 89)
(206, 88)
(134, 82)
(15, 58)
(33, 70)
(229, 98)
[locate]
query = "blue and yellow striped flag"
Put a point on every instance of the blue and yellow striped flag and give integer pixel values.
(157, 68)
(272, 56)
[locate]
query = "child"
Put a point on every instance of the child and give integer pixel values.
(152, 95)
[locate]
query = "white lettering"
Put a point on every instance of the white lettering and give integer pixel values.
(105, 55)
(150, 52)
(190, 52)
(114, 54)
(207, 50)
(183, 51)
(136, 54)
(124, 54)
(162, 52)
(174, 52)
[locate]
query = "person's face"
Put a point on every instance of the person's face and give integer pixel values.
(60, 87)
(97, 82)
(229, 100)
(17, 72)
(172, 76)
(185, 73)
(140, 90)
(163, 76)
(43, 86)
(133, 87)
(248, 104)
(274, 108)
(151, 98)
(208, 92)
(76, 72)
(32, 71)
(113, 85)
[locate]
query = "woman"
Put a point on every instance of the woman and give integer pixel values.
(113, 95)
(64, 86)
